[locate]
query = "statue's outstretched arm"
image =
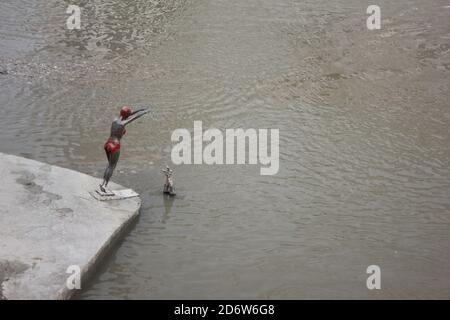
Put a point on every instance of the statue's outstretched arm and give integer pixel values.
(139, 110)
(136, 115)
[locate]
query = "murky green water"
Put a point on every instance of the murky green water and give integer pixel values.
(364, 141)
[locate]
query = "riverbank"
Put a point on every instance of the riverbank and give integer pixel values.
(49, 222)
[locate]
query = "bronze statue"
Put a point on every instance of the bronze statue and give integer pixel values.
(112, 145)
(168, 185)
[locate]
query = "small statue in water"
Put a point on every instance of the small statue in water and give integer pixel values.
(168, 185)
(112, 145)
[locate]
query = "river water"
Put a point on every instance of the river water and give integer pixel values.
(363, 117)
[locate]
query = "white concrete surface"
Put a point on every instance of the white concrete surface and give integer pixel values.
(48, 222)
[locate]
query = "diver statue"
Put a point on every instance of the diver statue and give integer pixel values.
(112, 145)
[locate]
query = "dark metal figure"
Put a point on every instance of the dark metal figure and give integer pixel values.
(168, 185)
(112, 145)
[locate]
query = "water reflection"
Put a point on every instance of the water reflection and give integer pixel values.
(168, 203)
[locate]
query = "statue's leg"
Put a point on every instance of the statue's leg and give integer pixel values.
(113, 159)
(106, 170)
(105, 174)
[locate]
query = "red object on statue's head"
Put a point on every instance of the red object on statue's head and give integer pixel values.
(125, 112)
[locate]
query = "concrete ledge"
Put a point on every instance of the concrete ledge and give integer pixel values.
(48, 221)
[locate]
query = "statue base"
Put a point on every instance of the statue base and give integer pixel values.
(113, 195)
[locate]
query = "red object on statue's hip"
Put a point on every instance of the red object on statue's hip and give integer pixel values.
(112, 146)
